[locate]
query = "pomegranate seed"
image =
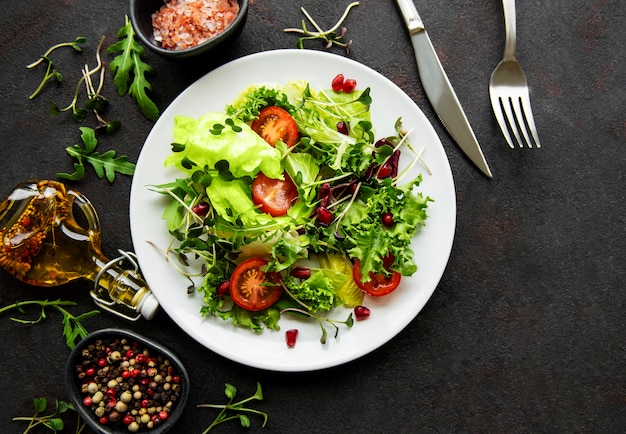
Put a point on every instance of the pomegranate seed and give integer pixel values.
(223, 289)
(349, 85)
(291, 335)
(361, 312)
(342, 127)
(384, 171)
(324, 190)
(387, 219)
(26, 221)
(324, 216)
(337, 83)
(201, 209)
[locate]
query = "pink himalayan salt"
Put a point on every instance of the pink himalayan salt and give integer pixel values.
(182, 24)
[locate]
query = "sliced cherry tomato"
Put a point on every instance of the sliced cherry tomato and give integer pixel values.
(253, 289)
(380, 284)
(275, 123)
(273, 195)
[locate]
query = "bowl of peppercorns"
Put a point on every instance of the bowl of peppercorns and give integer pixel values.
(186, 29)
(121, 382)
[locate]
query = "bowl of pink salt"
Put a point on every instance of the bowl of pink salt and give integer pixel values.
(185, 29)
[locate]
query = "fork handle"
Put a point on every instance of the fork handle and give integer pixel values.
(509, 28)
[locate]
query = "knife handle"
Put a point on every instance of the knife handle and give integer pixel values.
(412, 19)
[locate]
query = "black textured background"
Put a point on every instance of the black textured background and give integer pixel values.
(525, 332)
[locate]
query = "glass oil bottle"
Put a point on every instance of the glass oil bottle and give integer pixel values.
(42, 244)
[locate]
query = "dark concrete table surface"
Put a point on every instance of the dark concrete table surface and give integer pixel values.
(525, 332)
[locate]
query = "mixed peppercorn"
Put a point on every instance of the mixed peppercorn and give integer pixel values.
(125, 385)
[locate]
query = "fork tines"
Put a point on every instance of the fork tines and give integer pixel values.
(519, 118)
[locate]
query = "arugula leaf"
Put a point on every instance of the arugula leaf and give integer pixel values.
(104, 164)
(129, 71)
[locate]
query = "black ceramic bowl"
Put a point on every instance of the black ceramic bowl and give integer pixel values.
(141, 17)
(74, 383)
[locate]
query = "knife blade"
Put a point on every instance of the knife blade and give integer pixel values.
(438, 88)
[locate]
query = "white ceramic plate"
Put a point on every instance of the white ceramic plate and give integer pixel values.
(389, 314)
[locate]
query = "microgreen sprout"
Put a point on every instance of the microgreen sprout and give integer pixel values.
(236, 410)
(95, 101)
(73, 328)
(218, 128)
(51, 71)
(403, 135)
(52, 421)
(349, 322)
(332, 36)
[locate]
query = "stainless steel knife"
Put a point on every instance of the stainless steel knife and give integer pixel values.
(438, 88)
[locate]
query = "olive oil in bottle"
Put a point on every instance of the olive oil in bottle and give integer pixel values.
(42, 244)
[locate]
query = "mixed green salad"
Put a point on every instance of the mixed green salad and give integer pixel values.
(291, 204)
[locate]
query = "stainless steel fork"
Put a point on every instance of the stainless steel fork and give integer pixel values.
(508, 90)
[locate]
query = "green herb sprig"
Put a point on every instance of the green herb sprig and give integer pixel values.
(51, 71)
(73, 328)
(130, 71)
(107, 164)
(349, 322)
(236, 410)
(330, 37)
(96, 102)
(53, 421)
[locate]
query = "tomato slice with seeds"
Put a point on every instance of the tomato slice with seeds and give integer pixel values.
(274, 196)
(380, 284)
(253, 289)
(275, 123)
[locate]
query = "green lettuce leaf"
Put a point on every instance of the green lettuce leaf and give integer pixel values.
(209, 139)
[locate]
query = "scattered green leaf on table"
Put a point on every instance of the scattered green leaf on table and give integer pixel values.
(53, 421)
(236, 410)
(104, 164)
(130, 71)
(73, 328)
